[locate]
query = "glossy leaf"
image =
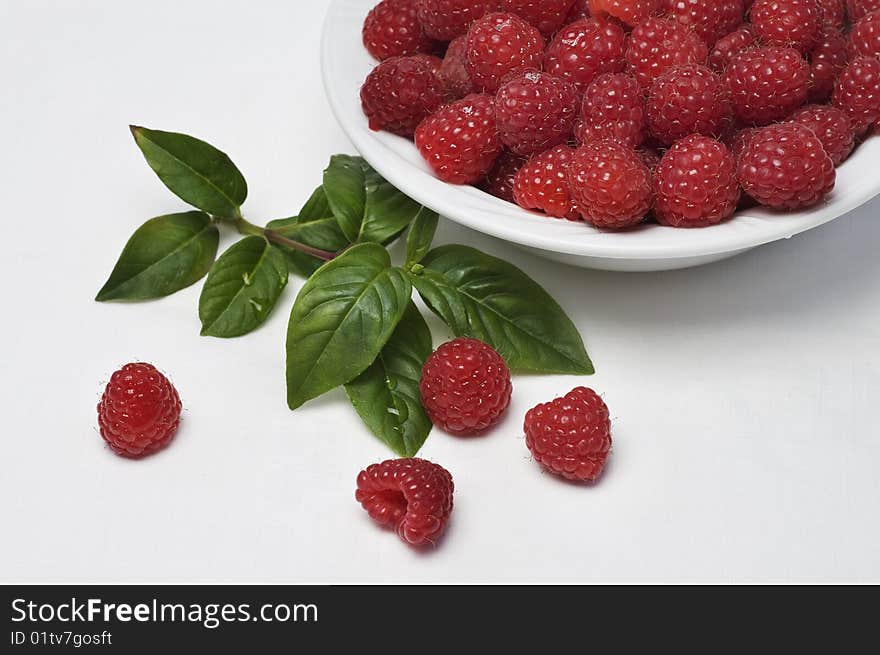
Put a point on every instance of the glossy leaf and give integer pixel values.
(421, 235)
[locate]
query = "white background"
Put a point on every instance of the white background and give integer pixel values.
(747, 437)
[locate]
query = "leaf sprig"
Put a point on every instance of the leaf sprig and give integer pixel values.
(353, 323)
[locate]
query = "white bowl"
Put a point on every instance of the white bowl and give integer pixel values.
(345, 65)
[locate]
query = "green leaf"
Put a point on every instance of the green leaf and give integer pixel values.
(489, 299)
(242, 288)
(195, 171)
(342, 318)
(386, 395)
(164, 255)
(421, 235)
(368, 207)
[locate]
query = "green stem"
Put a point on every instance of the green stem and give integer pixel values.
(248, 228)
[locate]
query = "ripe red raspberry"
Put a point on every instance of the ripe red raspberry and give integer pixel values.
(571, 436)
(727, 47)
(499, 181)
(767, 84)
(453, 71)
(688, 100)
(547, 15)
(858, 92)
(784, 166)
(139, 411)
(629, 12)
(786, 23)
(710, 19)
(832, 13)
(500, 46)
(696, 184)
(446, 19)
(610, 184)
(399, 93)
(832, 126)
(460, 141)
(411, 496)
(536, 111)
(865, 36)
(858, 9)
(585, 49)
(542, 184)
(657, 45)
(613, 107)
(828, 58)
(392, 29)
(465, 386)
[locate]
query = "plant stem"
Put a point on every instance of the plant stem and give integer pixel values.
(248, 228)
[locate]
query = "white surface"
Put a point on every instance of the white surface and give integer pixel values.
(747, 437)
(648, 248)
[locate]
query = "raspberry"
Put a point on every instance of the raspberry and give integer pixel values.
(786, 23)
(710, 19)
(453, 71)
(858, 9)
(139, 411)
(547, 15)
(542, 183)
(536, 111)
(767, 84)
(739, 140)
(696, 184)
(392, 29)
(585, 49)
(832, 13)
(828, 58)
(500, 46)
(610, 184)
(411, 496)
(832, 126)
(727, 47)
(629, 12)
(579, 10)
(688, 100)
(657, 45)
(460, 141)
(571, 436)
(613, 107)
(784, 166)
(446, 19)
(499, 181)
(399, 93)
(858, 92)
(865, 36)
(465, 386)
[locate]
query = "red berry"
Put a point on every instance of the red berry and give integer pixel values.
(460, 141)
(536, 111)
(858, 92)
(657, 45)
(585, 49)
(858, 9)
(865, 36)
(828, 58)
(399, 93)
(547, 15)
(688, 100)
(767, 84)
(500, 46)
(613, 108)
(465, 386)
(629, 12)
(784, 166)
(453, 71)
(411, 496)
(542, 184)
(139, 411)
(499, 181)
(832, 126)
(738, 141)
(727, 47)
(446, 19)
(610, 184)
(579, 10)
(710, 19)
(571, 436)
(786, 23)
(696, 184)
(832, 13)
(392, 29)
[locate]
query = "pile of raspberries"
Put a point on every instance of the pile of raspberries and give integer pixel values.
(614, 111)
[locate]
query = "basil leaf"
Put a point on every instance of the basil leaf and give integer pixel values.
(242, 288)
(342, 318)
(368, 207)
(421, 235)
(387, 396)
(164, 255)
(194, 171)
(489, 299)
